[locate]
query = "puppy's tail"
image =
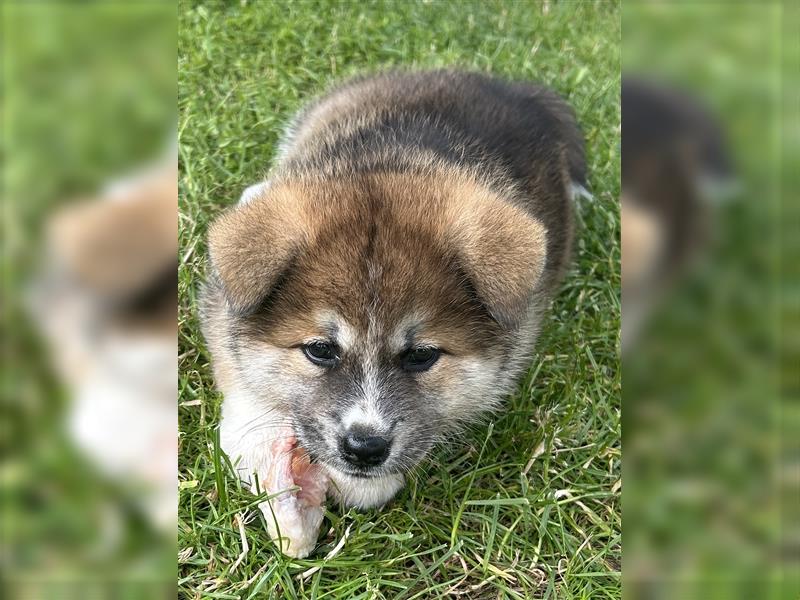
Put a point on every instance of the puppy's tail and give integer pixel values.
(573, 156)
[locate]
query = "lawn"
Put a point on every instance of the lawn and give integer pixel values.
(528, 504)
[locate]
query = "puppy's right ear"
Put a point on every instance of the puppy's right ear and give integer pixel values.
(253, 245)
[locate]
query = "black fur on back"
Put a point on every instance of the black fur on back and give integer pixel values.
(515, 134)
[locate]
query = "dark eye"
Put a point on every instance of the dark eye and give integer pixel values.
(420, 359)
(321, 353)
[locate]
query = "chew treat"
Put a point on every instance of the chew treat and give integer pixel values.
(293, 517)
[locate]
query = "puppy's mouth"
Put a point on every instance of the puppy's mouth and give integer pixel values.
(360, 473)
(338, 465)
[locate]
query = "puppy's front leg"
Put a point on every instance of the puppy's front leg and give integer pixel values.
(270, 461)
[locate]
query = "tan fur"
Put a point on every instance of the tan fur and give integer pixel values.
(406, 212)
(94, 240)
(502, 247)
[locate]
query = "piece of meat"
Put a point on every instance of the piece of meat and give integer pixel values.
(293, 517)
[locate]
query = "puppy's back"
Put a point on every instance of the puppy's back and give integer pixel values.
(515, 135)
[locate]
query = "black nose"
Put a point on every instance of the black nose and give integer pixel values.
(364, 450)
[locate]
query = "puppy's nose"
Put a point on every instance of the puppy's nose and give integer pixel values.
(364, 450)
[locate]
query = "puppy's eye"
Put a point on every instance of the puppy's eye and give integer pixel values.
(420, 359)
(321, 353)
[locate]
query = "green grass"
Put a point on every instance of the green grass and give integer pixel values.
(526, 505)
(88, 94)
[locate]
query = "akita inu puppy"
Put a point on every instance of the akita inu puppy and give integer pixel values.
(386, 283)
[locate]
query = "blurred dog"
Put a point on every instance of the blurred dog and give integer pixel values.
(675, 168)
(387, 283)
(107, 306)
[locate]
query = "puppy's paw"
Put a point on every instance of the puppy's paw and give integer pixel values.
(294, 517)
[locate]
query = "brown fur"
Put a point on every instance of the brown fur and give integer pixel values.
(534, 176)
(406, 209)
(118, 247)
(314, 235)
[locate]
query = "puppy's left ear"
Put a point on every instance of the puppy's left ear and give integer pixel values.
(503, 251)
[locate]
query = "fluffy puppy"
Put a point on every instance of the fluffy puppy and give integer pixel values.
(105, 302)
(387, 282)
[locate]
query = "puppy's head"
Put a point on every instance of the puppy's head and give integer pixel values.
(378, 312)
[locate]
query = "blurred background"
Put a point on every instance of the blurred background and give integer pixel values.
(89, 483)
(709, 300)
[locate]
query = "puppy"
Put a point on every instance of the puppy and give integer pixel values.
(386, 284)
